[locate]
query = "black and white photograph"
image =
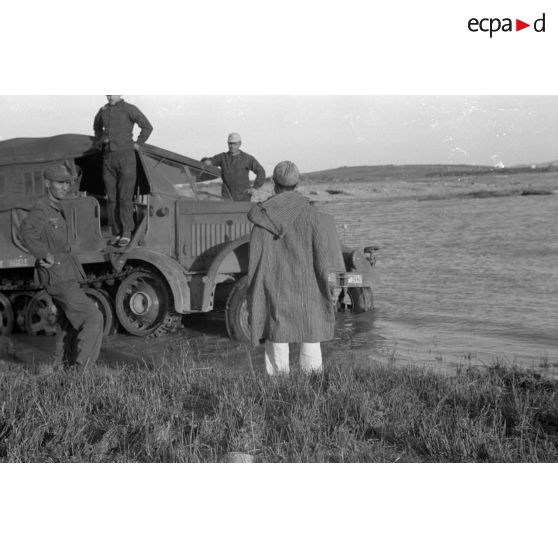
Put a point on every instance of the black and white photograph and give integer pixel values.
(293, 279)
(236, 296)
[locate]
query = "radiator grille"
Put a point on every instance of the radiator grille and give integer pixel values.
(206, 238)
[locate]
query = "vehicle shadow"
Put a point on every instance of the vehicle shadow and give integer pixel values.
(211, 323)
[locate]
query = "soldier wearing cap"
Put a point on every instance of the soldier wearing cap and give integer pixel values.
(113, 127)
(293, 249)
(235, 170)
(45, 234)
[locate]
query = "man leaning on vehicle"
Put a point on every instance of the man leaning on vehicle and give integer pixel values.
(45, 234)
(114, 126)
(235, 170)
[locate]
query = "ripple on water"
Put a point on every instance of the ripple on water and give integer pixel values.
(457, 277)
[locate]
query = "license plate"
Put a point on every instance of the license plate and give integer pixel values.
(19, 262)
(354, 279)
(345, 279)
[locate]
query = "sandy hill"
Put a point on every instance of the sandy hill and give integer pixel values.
(388, 173)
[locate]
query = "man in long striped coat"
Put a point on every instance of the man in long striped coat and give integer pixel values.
(293, 248)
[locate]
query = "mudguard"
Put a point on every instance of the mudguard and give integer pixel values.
(357, 262)
(170, 269)
(211, 276)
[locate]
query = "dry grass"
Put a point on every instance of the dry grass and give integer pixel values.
(172, 411)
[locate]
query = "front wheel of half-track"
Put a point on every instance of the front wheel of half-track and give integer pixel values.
(144, 305)
(356, 301)
(236, 312)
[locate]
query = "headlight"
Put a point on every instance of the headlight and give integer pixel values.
(356, 258)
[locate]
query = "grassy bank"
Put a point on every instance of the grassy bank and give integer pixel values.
(173, 411)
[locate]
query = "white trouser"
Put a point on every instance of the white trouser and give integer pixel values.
(277, 357)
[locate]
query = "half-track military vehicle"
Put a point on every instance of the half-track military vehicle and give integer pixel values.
(189, 252)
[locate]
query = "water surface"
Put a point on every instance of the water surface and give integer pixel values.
(460, 280)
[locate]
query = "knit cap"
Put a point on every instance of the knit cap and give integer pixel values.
(286, 174)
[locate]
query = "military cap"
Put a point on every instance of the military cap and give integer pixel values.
(234, 138)
(286, 174)
(58, 173)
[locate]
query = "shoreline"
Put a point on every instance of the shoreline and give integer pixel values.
(327, 192)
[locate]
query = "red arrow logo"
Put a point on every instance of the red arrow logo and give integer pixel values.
(519, 25)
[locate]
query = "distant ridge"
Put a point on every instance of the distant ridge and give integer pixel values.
(383, 173)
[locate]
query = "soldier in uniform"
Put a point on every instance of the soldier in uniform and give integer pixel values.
(113, 127)
(235, 170)
(45, 234)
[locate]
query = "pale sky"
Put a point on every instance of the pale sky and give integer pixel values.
(319, 132)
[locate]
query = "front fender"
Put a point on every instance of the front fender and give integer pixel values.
(209, 281)
(170, 269)
(356, 261)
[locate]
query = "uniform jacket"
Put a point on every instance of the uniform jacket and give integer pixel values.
(45, 230)
(114, 125)
(293, 248)
(235, 171)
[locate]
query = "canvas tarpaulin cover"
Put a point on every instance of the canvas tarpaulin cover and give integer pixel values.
(19, 151)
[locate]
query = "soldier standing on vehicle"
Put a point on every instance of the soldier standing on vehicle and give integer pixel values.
(45, 234)
(293, 249)
(113, 126)
(235, 168)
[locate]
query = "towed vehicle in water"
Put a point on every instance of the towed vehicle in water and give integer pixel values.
(188, 254)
